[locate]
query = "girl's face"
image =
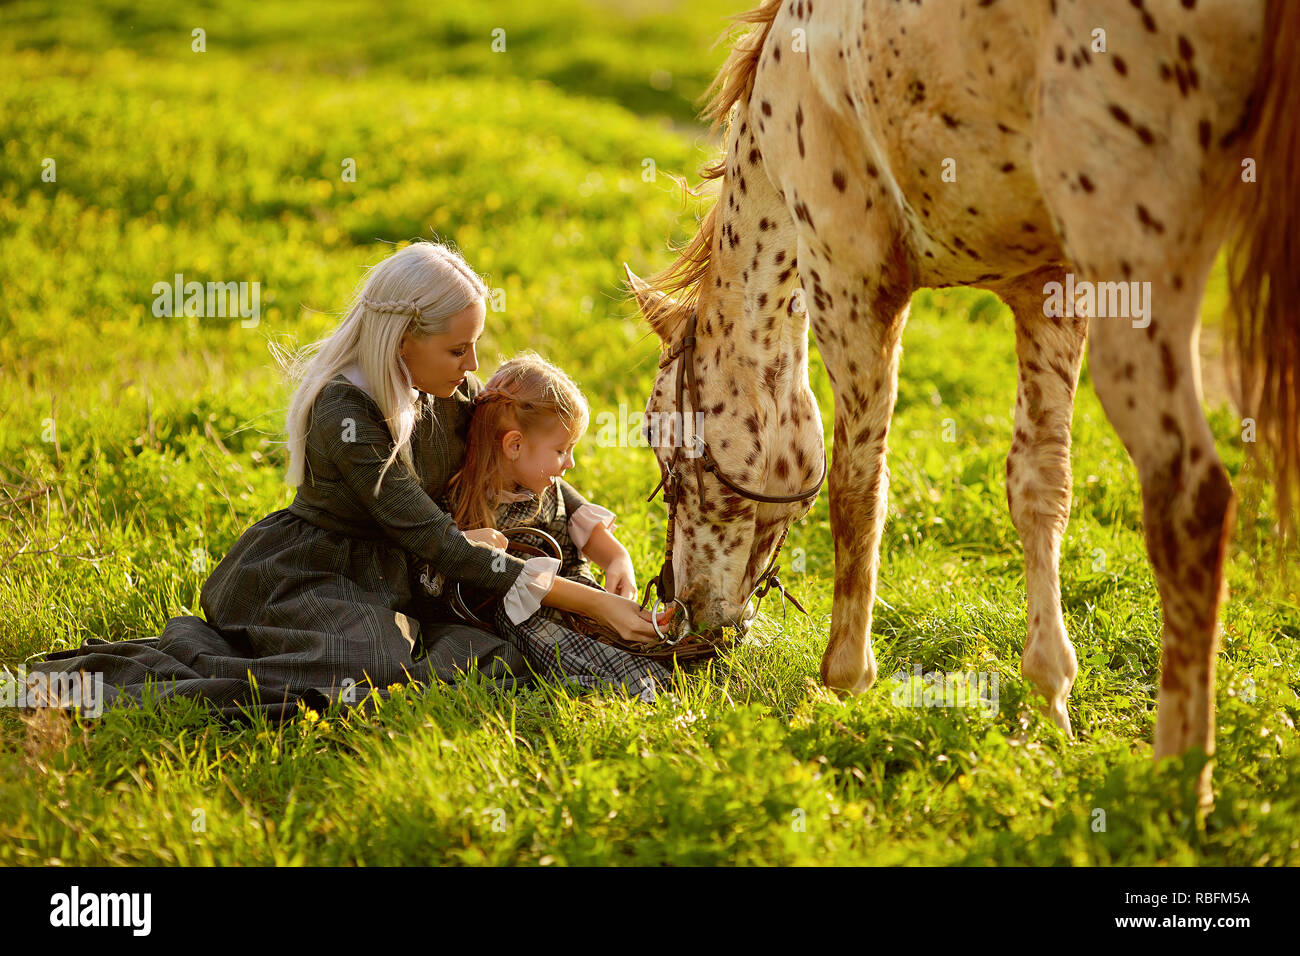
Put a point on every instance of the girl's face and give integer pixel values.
(538, 457)
(438, 363)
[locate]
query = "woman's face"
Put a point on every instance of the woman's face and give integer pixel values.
(438, 363)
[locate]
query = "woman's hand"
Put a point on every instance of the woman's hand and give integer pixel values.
(620, 614)
(632, 623)
(488, 536)
(620, 577)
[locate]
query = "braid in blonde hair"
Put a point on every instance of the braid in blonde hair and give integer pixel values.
(392, 307)
(499, 396)
(492, 396)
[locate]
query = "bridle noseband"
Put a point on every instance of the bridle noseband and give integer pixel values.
(670, 482)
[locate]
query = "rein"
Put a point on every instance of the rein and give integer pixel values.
(670, 482)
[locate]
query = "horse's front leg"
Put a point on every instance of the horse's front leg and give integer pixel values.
(858, 318)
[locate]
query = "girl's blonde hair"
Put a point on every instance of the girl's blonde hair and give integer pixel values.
(525, 393)
(415, 290)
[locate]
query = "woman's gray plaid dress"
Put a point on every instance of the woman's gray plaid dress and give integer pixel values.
(321, 601)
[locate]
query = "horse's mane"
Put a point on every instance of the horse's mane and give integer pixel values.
(681, 281)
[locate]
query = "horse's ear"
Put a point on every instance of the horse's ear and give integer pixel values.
(655, 306)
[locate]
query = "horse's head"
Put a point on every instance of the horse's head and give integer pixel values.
(731, 422)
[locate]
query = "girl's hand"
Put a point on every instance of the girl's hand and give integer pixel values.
(620, 577)
(632, 623)
(488, 536)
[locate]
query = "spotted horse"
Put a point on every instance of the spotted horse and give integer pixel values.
(879, 146)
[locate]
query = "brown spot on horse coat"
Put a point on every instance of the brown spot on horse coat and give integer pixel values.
(1168, 367)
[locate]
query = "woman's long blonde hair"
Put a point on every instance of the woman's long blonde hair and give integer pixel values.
(416, 290)
(525, 393)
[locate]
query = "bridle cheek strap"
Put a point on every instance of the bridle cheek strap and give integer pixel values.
(670, 482)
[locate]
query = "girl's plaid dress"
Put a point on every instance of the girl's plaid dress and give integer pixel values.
(551, 649)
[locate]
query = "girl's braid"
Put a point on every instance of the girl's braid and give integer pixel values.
(499, 396)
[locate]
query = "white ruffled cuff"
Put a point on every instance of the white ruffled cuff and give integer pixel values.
(584, 521)
(534, 582)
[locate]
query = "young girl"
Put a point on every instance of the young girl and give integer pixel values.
(526, 422)
(315, 600)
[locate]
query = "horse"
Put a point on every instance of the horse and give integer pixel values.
(1036, 148)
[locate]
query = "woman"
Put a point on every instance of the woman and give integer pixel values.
(315, 601)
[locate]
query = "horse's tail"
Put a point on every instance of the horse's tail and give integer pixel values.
(1263, 211)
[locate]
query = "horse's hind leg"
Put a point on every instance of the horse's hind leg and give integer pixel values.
(1049, 351)
(1149, 383)
(1128, 162)
(1130, 211)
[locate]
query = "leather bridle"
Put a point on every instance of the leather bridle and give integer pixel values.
(670, 482)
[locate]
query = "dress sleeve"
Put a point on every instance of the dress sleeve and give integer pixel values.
(348, 429)
(585, 520)
(534, 582)
(573, 500)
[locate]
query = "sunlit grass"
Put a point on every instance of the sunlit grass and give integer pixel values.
(134, 450)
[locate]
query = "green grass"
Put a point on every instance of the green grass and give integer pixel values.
(166, 443)
(651, 56)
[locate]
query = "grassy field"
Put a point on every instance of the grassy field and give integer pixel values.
(134, 450)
